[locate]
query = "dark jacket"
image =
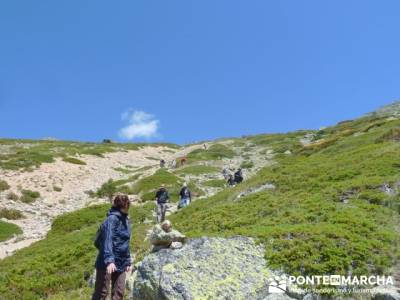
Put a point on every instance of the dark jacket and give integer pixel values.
(185, 193)
(162, 195)
(239, 176)
(115, 239)
(231, 180)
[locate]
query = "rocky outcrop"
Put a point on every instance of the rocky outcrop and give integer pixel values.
(206, 268)
(161, 239)
(253, 190)
(386, 293)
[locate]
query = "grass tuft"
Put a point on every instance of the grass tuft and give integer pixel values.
(4, 185)
(29, 196)
(74, 160)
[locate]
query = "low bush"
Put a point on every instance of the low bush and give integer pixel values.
(197, 170)
(7, 231)
(392, 134)
(108, 189)
(219, 183)
(247, 164)
(214, 152)
(12, 196)
(11, 214)
(4, 185)
(74, 160)
(29, 196)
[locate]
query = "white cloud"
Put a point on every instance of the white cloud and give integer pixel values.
(140, 125)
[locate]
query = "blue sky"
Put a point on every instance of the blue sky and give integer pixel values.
(183, 71)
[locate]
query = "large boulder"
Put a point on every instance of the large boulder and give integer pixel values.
(206, 268)
(386, 293)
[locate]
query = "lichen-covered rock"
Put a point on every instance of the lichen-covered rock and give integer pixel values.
(205, 268)
(386, 293)
(161, 239)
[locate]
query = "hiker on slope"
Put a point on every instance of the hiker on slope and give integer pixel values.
(114, 258)
(162, 198)
(231, 181)
(225, 173)
(186, 196)
(238, 176)
(162, 163)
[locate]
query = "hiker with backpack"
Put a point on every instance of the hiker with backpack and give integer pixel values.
(238, 176)
(225, 173)
(162, 198)
(114, 258)
(162, 163)
(183, 161)
(186, 196)
(231, 181)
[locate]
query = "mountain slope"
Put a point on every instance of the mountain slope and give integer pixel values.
(322, 202)
(335, 208)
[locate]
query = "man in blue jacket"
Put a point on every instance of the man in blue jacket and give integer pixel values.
(114, 258)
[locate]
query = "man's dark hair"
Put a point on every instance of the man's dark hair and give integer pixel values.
(121, 201)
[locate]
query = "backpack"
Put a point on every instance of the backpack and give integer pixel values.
(99, 236)
(186, 193)
(163, 197)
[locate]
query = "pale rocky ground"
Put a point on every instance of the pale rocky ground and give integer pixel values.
(75, 180)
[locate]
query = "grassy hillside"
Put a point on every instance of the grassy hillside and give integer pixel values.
(328, 213)
(29, 154)
(334, 209)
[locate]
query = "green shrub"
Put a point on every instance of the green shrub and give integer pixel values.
(214, 152)
(26, 158)
(79, 219)
(247, 164)
(318, 145)
(12, 196)
(197, 170)
(111, 187)
(57, 188)
(124, 170)
(219, 183)
(4, 185)
(152, 158)
(74, 160)
(29, 196)
(11, 214)
(77, 294)
(392, 134)
(7, 231)
(108, 189)
(374, 197)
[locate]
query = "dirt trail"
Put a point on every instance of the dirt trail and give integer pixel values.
(260, 157)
